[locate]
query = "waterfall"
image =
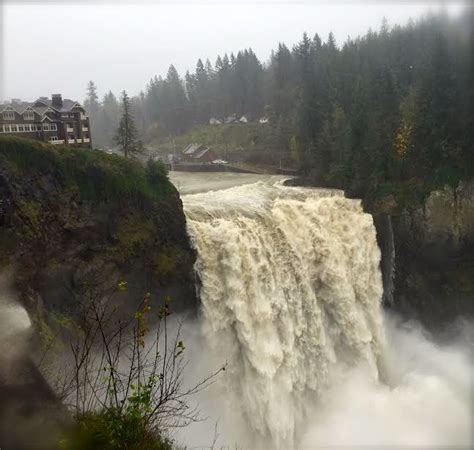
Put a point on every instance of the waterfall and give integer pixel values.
(291, 287)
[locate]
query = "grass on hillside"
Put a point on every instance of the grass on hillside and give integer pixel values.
(231, 138)
(96, 175)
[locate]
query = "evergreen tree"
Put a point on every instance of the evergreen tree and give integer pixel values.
(91, 105)
(92, 97)
(173, 107)
(392, 104)
(126, 136)
(110, 117)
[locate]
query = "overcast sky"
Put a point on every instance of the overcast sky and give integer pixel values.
(56, 46)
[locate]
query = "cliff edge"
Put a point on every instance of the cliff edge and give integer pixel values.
(66, 215)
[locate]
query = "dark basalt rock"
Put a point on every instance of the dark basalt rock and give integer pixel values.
(55, 238)
(433, 256)
(427, 249)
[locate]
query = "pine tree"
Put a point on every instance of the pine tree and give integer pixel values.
(126, 136)
(173, 105)
(283, 93)
(92, 106)
(203, 93)
(92, 97)
(385, 106)
(110, 117)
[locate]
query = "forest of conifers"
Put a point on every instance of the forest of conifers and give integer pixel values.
(392, 104)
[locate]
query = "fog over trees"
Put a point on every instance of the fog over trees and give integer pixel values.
(394, 101)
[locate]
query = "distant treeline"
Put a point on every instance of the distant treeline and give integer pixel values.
(171, 105)
(396, 103)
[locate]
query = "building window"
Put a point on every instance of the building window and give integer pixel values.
(6, 128)
(8, 115)
(46, 127)
(38, 127)
(54, 127)
(21, 128)
(29, 115)
(54, 138)
(14, 128)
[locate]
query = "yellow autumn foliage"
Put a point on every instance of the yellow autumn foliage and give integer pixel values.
(402, 140)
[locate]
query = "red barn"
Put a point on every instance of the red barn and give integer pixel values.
(199, 154)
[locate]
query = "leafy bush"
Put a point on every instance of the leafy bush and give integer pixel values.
(124, 376)
(157, 174)
(113, 430)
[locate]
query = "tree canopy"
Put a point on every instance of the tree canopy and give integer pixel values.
(393, 103)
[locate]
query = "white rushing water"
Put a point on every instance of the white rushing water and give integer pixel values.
(291, 292)
(290, 286)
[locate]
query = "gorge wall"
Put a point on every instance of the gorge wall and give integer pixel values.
(69, 219)
(430, 249)
(67, 216)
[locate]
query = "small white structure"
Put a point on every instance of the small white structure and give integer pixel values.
(231, 119)
(264, 120)
(214, 121)
(243, 119)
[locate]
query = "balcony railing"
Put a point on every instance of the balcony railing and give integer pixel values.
(71, 141)
(85, 129)
(57, 141)
(70, 130)
(86, 140)
(79, 141)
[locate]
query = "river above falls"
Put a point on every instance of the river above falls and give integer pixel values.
(198, 182)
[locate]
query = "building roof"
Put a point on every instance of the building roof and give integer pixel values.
(68, 104)
(200, 153)
(43, 104)
(195, 151)
(192, 148)
(41, 109)
(19, 107)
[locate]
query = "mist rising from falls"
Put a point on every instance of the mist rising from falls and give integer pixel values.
(291, 289)
(15, 328)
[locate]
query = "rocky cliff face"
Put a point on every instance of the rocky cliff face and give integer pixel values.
(70, 221)
(433, 253)
(69, 217)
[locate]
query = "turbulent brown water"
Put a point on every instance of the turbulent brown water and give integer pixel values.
(291, 291)
(291, 300)
(290, 286)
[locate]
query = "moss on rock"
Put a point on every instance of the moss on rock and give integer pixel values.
(66, 212)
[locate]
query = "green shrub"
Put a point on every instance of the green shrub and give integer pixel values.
(133, 232)
(157, 175)
(94, 174)
(113, 430)
(166, 262)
